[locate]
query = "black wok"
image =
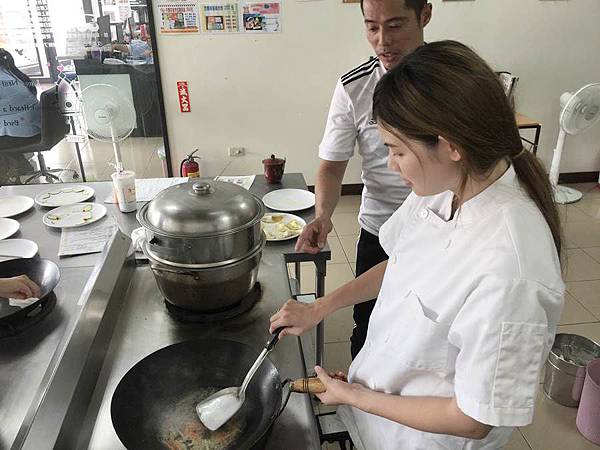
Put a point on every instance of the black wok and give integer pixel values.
(42, 272)
(153, 407)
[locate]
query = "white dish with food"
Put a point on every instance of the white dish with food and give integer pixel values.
(15, 205)
(8, 227)
(17, 248)
(289, 199)
(282, 226)
(77, 215)
(64, 196)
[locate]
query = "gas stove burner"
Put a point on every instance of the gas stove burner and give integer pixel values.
(184, 315)
(29, 316)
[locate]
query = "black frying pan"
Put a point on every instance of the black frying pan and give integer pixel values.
(154, 405)
(43, 272)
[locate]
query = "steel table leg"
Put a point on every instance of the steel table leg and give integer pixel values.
(536, 140)
(297, 272)
(77, 149)
(321, 271)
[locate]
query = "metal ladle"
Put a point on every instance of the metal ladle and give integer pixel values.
(218, 408)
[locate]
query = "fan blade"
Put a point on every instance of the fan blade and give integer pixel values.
(105, 106)
(581, 110)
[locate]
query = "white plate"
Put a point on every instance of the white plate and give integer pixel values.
(21, 248)
(8, 227)
(67, 195)
(289, 199)
(71, 216)
(12, 206)
(286, 218)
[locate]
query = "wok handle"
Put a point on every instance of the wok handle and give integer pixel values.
(303, 385)
(307, 385)
(274, 339)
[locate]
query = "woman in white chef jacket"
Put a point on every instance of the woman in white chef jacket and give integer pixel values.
(469, 300)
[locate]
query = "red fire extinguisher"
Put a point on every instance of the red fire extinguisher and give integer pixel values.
(189, 167)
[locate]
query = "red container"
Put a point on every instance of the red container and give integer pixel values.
(274, 169)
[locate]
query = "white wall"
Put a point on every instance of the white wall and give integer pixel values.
(271, 93)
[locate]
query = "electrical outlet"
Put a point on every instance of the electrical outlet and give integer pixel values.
(237, 151)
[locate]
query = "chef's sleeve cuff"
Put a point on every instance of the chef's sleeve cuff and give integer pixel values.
(497, 417)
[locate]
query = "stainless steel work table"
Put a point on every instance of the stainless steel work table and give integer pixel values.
(24, 359)
(65, 353)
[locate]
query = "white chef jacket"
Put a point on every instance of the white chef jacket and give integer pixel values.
(350, 123)
(468, 308)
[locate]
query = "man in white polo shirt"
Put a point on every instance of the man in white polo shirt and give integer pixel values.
(394, 28)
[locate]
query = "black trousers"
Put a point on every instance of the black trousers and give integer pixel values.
(369, 253)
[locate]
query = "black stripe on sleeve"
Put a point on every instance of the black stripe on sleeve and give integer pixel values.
(359, 76)
(365, 66)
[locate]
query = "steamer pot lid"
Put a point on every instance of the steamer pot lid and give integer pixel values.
(201, 208)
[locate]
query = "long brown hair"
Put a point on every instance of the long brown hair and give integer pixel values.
(445, 89)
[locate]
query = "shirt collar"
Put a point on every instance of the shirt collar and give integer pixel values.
(483, 204)
(501, 191)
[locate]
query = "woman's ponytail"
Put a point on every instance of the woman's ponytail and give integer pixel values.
(533, 178)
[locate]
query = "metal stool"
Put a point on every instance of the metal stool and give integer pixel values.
(332, 429)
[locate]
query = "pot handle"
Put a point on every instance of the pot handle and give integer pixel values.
(310, 385)
(143, 243)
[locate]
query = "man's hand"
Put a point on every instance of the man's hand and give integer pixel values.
(314, 236)
(296, 317)
(20, 287)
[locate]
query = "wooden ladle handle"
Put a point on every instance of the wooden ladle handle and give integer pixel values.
(307, 385)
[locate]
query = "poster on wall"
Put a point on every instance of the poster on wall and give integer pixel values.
(219, 17)
(178, 16)
(183, 94)
(261, 17)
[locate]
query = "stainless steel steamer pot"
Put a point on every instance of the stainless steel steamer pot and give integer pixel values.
(204, 243)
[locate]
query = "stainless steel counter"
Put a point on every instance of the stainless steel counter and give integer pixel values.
(57, 379)
(48, 239)
(25, 358)
(144, 326)
(29, 361)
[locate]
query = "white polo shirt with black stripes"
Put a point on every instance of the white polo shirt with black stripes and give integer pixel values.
(350, 124)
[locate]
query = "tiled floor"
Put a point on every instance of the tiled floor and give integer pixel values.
(554, 425)
(139, 154)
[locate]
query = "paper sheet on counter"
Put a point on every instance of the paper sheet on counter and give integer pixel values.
(243, 181)
(87, 239)
(147, 188)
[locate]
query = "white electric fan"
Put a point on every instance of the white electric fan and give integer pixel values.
(109, 115)
(580, 111)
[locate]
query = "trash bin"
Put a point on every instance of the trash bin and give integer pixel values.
(566, 367)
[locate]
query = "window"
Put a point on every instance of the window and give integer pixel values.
(92, 56)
